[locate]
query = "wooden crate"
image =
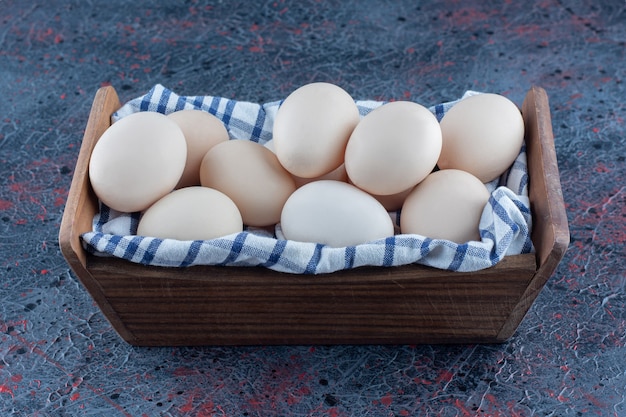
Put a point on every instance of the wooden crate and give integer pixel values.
(214, 305)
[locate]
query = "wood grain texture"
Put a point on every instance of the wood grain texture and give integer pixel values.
(82, 205)
(550, 232)
(209, 305)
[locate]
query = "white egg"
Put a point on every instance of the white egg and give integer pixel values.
(137, 160)
(334, 213)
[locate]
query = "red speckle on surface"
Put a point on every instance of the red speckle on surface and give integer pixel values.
(75, 396)
(445, 376)
(184, 372)
(462, 408)
(4, 389)
(333, 412)
(465, 17)
(387, 400)
(5, 205)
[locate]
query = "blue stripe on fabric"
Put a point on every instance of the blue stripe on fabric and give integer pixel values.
(198, 101)
(180, 103)
(228, 112)
(162, 105)
(425, 248)
(258, 126)
(522, 207)
(144, 105)
(150, 252)
(192, 253)
(494, 257)
(500, 211)
(134, 222)
(459, 255)
(95, 239)
(528, 245)
(486, 234)
(523, 183)
(215, 104)
(112, 243)
(277, 252)
(439, 111)
(389, 251)
(105, 215)
(317, 254)
(236, 248)
(349, 256)
(89, 240)
(133, 245)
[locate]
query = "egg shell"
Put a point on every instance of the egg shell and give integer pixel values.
(137, 160)
(312, 127)
(191, 213)
(338, 174)
(393, 202)
(334, 213)
(251, 176)
(482, 134)
(393, 148)
(447, 204)
(202, 130)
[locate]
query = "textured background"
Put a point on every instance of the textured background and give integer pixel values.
(59, 356)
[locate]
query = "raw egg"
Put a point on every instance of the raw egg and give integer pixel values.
(393, 148)
(137, 160)
(334, 213)
(251, 176)
(202, 130)
(482, 134)
(191, 213)
(312, 127)
(447, 204)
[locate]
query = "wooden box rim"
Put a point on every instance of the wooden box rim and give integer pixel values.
(550, 236)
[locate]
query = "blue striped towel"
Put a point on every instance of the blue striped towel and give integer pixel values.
(504, 227)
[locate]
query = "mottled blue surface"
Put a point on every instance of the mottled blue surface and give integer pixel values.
(59, 356)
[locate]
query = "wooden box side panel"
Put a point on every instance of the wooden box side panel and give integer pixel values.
(82, 205)
(550, 234)
(250, 306)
